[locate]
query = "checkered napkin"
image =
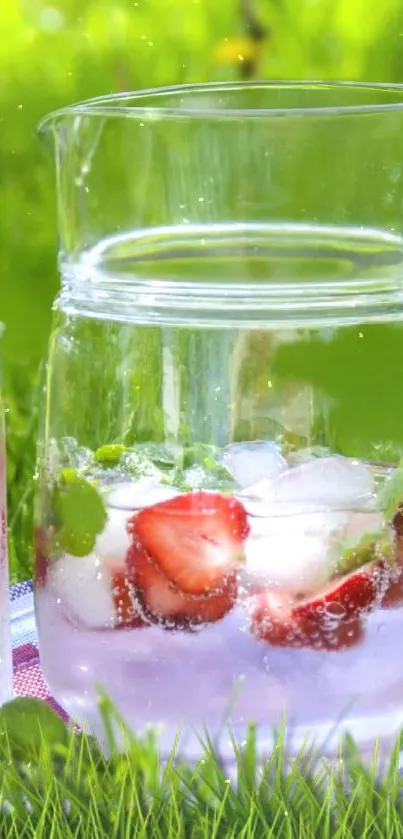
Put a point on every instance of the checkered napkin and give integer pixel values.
(27, 674)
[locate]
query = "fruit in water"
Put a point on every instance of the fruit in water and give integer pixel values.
(275, 621)
(348, 596)
(394, 592)
(93, 594)
(41, 538)
(194, 539)
(184, 554)
(126, 614)
(329, 619)
(162, 602)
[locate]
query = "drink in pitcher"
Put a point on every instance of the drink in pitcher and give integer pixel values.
(219, 536)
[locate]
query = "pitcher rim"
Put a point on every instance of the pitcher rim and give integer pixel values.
(129, 103)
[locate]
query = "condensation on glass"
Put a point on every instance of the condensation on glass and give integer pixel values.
(218, 524)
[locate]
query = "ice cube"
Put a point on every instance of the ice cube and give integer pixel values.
(360, 525)
(133, 495)
(83, 589)
(249, 462)
(296, 554)
(329, 482)
(114, 541)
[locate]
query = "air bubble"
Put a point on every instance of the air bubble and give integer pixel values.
(335, 610)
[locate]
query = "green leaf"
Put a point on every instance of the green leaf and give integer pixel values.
(371, 546)
(110, 455)
(164, 457)
(197, 454)
(195, 467)
(199, 477)
(391, 495)
(26, 724)
(80, 513)
(137, 464)
(201, 470)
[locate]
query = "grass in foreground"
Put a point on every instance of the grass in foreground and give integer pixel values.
(56, 783)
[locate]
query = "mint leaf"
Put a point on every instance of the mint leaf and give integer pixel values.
(110, 455)
(198, 477)
(371, 546)
(195, 467)
(137, 464)
(201, 470)
(164, 457)
(390, 497)
(200, 453)
(26, 724)
(80, 513)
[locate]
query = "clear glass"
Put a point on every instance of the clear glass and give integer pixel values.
(5, 633)
(218, 523)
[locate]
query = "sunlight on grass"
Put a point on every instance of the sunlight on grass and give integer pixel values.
(62, 785)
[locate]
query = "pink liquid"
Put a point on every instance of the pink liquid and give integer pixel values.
(219, 674)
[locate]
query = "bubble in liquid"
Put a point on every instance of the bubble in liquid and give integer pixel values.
(335, 610)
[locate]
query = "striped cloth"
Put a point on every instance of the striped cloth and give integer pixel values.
(27, 675)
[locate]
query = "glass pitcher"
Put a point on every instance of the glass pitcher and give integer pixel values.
(218, 522)
(5, 635)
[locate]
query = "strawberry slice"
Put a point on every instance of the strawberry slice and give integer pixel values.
(194, 539)
(347, 597)
(41, 536)
(127, 616)
(272, 620)
(163, 602)
(275, 621)
(40, 568)
(329, 619)
(398, 521)
(394, 593)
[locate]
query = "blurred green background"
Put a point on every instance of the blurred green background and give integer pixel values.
(55, 53)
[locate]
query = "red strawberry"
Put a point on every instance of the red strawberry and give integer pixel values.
(398, 521)
(195, 539)
(329, 619)
(163, 602)
(272, 619)
(41, 560)
(394, 592)
(276, 621)
(345, 635)
(127, 615)
(348, 596)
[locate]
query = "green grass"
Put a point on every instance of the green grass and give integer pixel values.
(134, 794)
